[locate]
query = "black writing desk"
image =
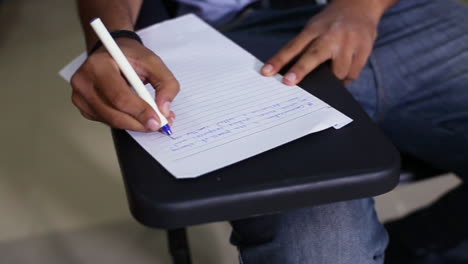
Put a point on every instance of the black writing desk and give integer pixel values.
(333, 165)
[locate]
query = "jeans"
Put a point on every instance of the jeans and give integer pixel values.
(415, 87)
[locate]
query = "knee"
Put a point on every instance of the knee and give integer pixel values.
(339, 233)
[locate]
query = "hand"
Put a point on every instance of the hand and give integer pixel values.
(344, 32)
(102, 94)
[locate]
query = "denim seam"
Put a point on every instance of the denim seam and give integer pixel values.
(380, 102)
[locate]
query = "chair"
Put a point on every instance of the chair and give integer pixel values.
(413, 169)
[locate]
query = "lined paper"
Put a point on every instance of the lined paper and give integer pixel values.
(226, 111)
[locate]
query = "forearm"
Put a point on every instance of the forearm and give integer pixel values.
(116, 15)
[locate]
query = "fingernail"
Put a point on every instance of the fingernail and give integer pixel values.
(267, 68)
(166, 109)
(153, 125)
(290, 77)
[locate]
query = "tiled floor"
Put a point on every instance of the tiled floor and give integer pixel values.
(61, 195)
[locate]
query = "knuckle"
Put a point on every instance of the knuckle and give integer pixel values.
(332, 36)
(326, 41)
(353, 38)
(92, 61)
(113, 120)
(334, 49)
(77, 80)
(338, 30)
(301, 68)
(154, 59)
(143, 113)
(75, 99)
(176, 85)
(315, 54)
(85, 115)
(312, 51)
(121, 101)
(336, 27)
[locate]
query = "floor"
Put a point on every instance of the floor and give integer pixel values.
(61, 194)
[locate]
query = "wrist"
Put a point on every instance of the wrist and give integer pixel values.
(91, 37)
(118, 34)
(373, 9)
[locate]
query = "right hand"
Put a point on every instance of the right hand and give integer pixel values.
(102, 94)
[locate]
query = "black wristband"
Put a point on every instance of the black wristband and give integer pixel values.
(117, 34)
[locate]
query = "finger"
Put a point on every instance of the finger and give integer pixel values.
(358, 62)
(88, 116)
(171, 118)
(114, 117)
(341, 63)
(117, 94)
(83, 107)
(289, 52)
(313, 57)
(165, 84)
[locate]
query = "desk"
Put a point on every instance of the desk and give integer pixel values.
(333, 165)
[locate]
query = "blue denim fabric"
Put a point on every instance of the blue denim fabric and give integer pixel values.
(338, 233)
(415, 87)
(420, 70)
(420, 67)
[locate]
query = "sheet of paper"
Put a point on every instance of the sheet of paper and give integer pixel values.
(226, 111)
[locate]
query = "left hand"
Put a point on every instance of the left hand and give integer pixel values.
(344, 32)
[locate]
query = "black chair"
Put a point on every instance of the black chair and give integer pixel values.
(153, 12)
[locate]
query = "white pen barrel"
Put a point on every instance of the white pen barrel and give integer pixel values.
(125, 66)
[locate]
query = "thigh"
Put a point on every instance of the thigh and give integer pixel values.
(421, 67)
(339, 233)
(263, 32)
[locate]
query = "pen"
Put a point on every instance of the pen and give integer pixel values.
(127, 70)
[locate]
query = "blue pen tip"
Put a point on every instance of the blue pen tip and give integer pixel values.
(167, 129)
